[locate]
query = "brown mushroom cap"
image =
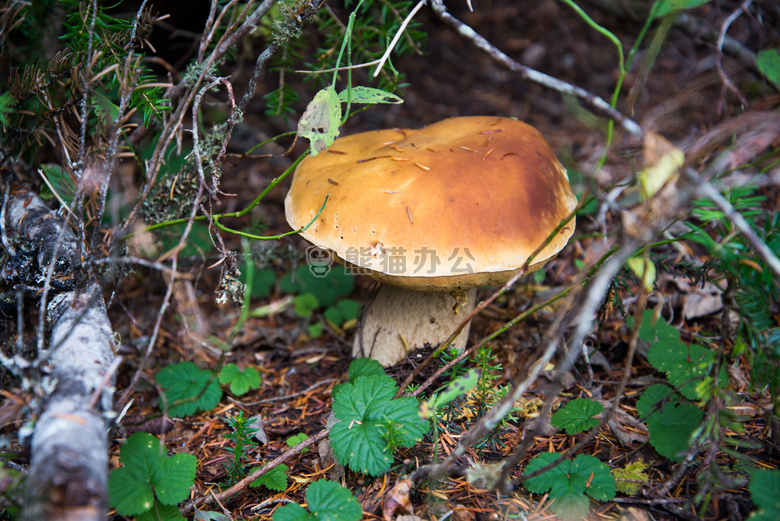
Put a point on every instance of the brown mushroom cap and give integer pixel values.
(481, 194)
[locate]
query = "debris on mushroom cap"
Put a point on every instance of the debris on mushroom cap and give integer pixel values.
(465, 201)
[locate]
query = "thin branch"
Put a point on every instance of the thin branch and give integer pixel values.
(532, 75)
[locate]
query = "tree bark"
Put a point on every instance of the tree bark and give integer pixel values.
(69, 450)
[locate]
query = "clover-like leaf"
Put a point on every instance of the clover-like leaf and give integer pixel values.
(327, 501)
(364, 409)
(240, 381)
(188, 389)
(275, 479)
(577, 415)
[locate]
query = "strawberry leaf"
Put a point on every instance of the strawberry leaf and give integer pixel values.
(577, 415)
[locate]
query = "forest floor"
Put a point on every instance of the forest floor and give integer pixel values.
(683, 99)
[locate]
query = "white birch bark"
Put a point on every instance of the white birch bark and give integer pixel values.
(69, 450)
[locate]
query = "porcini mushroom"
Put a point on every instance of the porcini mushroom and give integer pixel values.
(432, 214)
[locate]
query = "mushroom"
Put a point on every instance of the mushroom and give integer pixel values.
(432, 214)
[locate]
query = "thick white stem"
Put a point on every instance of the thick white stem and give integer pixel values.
(397, 315)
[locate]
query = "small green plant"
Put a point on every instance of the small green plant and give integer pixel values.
(292, 441)
(765, 492)
(629, 479)
(671, 422)
(240, 381)
(241, 433)
(150, 484)
(570, 481)
(578, 415)
(327, 501)
(371, 422)
(275, 479)
(188, 389)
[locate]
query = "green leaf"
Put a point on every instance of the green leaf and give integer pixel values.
(147, 471)
(343, 311)
(174, 478)
(292, 441)
(315, 330)
(368, 95)
(240, 381)
(327, 501)
(336, 284)
(768, 63)
(6, 100)
(765, 492)
(304, 305)
(275, 479)
(364, 409)
(626, 478)
(207, 515)
(196, 389)
(654, 394)
(569, 481)
(671, 430)
(321, 119)
(664, 7)
(364, 367)
(160, 512)
(685, 365)
(577, 415)
(599, 483)
(458, 387)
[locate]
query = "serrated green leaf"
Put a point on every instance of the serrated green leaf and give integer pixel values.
(765, 492)
(599, 483)
(653, 331)
(626, 478)
(184, 382)
(275, 479)
(327, 501)
(544, 482)
(653, 395)
(128, 493)
(321, 119)
(160, 512)
(569, 481)
(173, 479)
(292, 512)
(240, 381)
(364, 408)
(368, 95)
(577, 415)
(685, 365)
(148, 472)
(671, 430)
(364, 367)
